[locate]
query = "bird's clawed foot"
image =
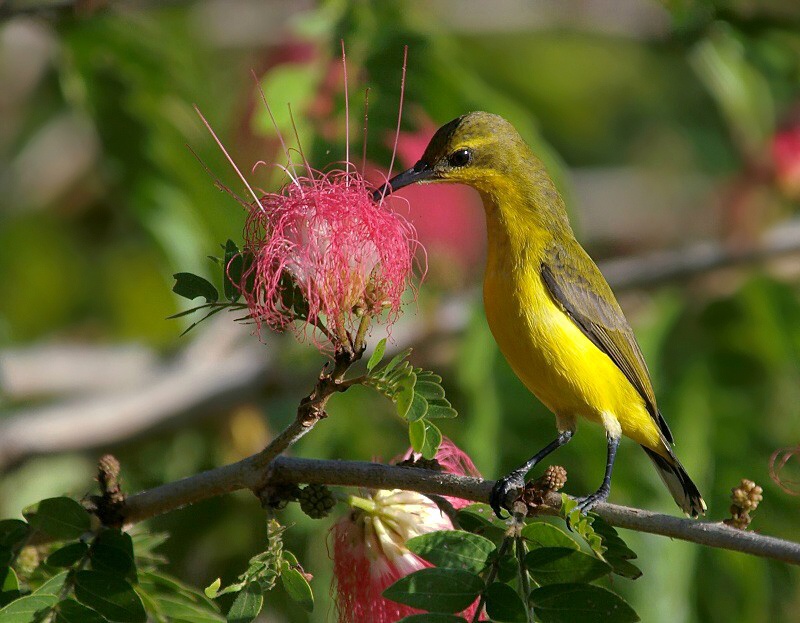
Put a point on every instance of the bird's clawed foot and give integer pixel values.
(587, 503)
(506, 490)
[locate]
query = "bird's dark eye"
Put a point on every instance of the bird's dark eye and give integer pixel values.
(460, 158)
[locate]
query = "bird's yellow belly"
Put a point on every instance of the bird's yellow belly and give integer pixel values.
(557, 362)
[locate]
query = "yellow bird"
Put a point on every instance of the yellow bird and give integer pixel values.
(552, 313)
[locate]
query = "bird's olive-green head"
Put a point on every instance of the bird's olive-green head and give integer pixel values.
(479, 149)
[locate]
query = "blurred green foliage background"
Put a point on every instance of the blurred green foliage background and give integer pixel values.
(658, 122)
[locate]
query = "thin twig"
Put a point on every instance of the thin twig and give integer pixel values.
(247, 475)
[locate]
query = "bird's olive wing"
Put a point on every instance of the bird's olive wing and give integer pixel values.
(578, 287)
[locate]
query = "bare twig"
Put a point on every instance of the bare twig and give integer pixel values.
(247, 475)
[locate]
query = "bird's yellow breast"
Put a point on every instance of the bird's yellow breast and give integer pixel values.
(549, 352)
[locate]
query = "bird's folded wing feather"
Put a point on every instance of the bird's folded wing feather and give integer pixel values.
(578, 287)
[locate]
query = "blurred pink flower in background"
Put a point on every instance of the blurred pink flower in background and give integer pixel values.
(369, 552)
(348, 255)
(448, 217)
(786, 157)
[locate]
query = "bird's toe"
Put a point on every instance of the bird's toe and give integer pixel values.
(505, 491)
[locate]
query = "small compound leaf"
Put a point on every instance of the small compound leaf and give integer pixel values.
(394, 361)
(298, 588)
(440, 408)
(433, 439)
(504, 605)
(404, 394)
(377, 355)
(180, 610)
(428, 389)
(454, 549)
(560, 565)
(580, 603)
(54, 585)
(418, 409)
(61, 518)
(541, 534)
(416, 435)
(110, 595)
(27, 609)
(582, 524)
(70, 611)
(247, 605)
(432, 617)
(112, 552)
(68, 555)
(437, 590)
(190, 286)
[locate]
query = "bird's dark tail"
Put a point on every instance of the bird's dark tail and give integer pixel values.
(683, 490)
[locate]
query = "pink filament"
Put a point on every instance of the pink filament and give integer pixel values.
(345, 252)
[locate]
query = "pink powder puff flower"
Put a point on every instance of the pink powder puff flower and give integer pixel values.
(453, 460)
(348, 255)
(369, 552)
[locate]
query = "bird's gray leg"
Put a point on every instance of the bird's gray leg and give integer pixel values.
(508, 488)
(601, 495)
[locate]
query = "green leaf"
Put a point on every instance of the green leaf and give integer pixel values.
(581, 524)
(54, 585)
(8, 580)
(437, 590)
(247, 605)
(404, 394)
(559, 565)
(504, 605)
(377, 355)
(232, 271)
(394, 361)
(418, 409)
(68, 555)
(190, 286)
(454, 549)
(416, 435)
(433, 439)
(187, 611)
(25, 609)
(61, 518)
(212, 590)
(440, 408)
(110, 595)
(480, 519)
(70, 611)
(298, 588)
(542, 534)
(432, 618)
(13, 532)
(112, 552)
(429, 390)
(580, 603)
(617, 553)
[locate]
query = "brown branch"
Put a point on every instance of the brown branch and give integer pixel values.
(247, 474)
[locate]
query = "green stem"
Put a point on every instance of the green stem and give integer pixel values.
(491, 576)
(524, 579)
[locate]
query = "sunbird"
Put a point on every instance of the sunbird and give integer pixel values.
(549, 307)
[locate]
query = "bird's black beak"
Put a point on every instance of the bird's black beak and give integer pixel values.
(419, 172)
